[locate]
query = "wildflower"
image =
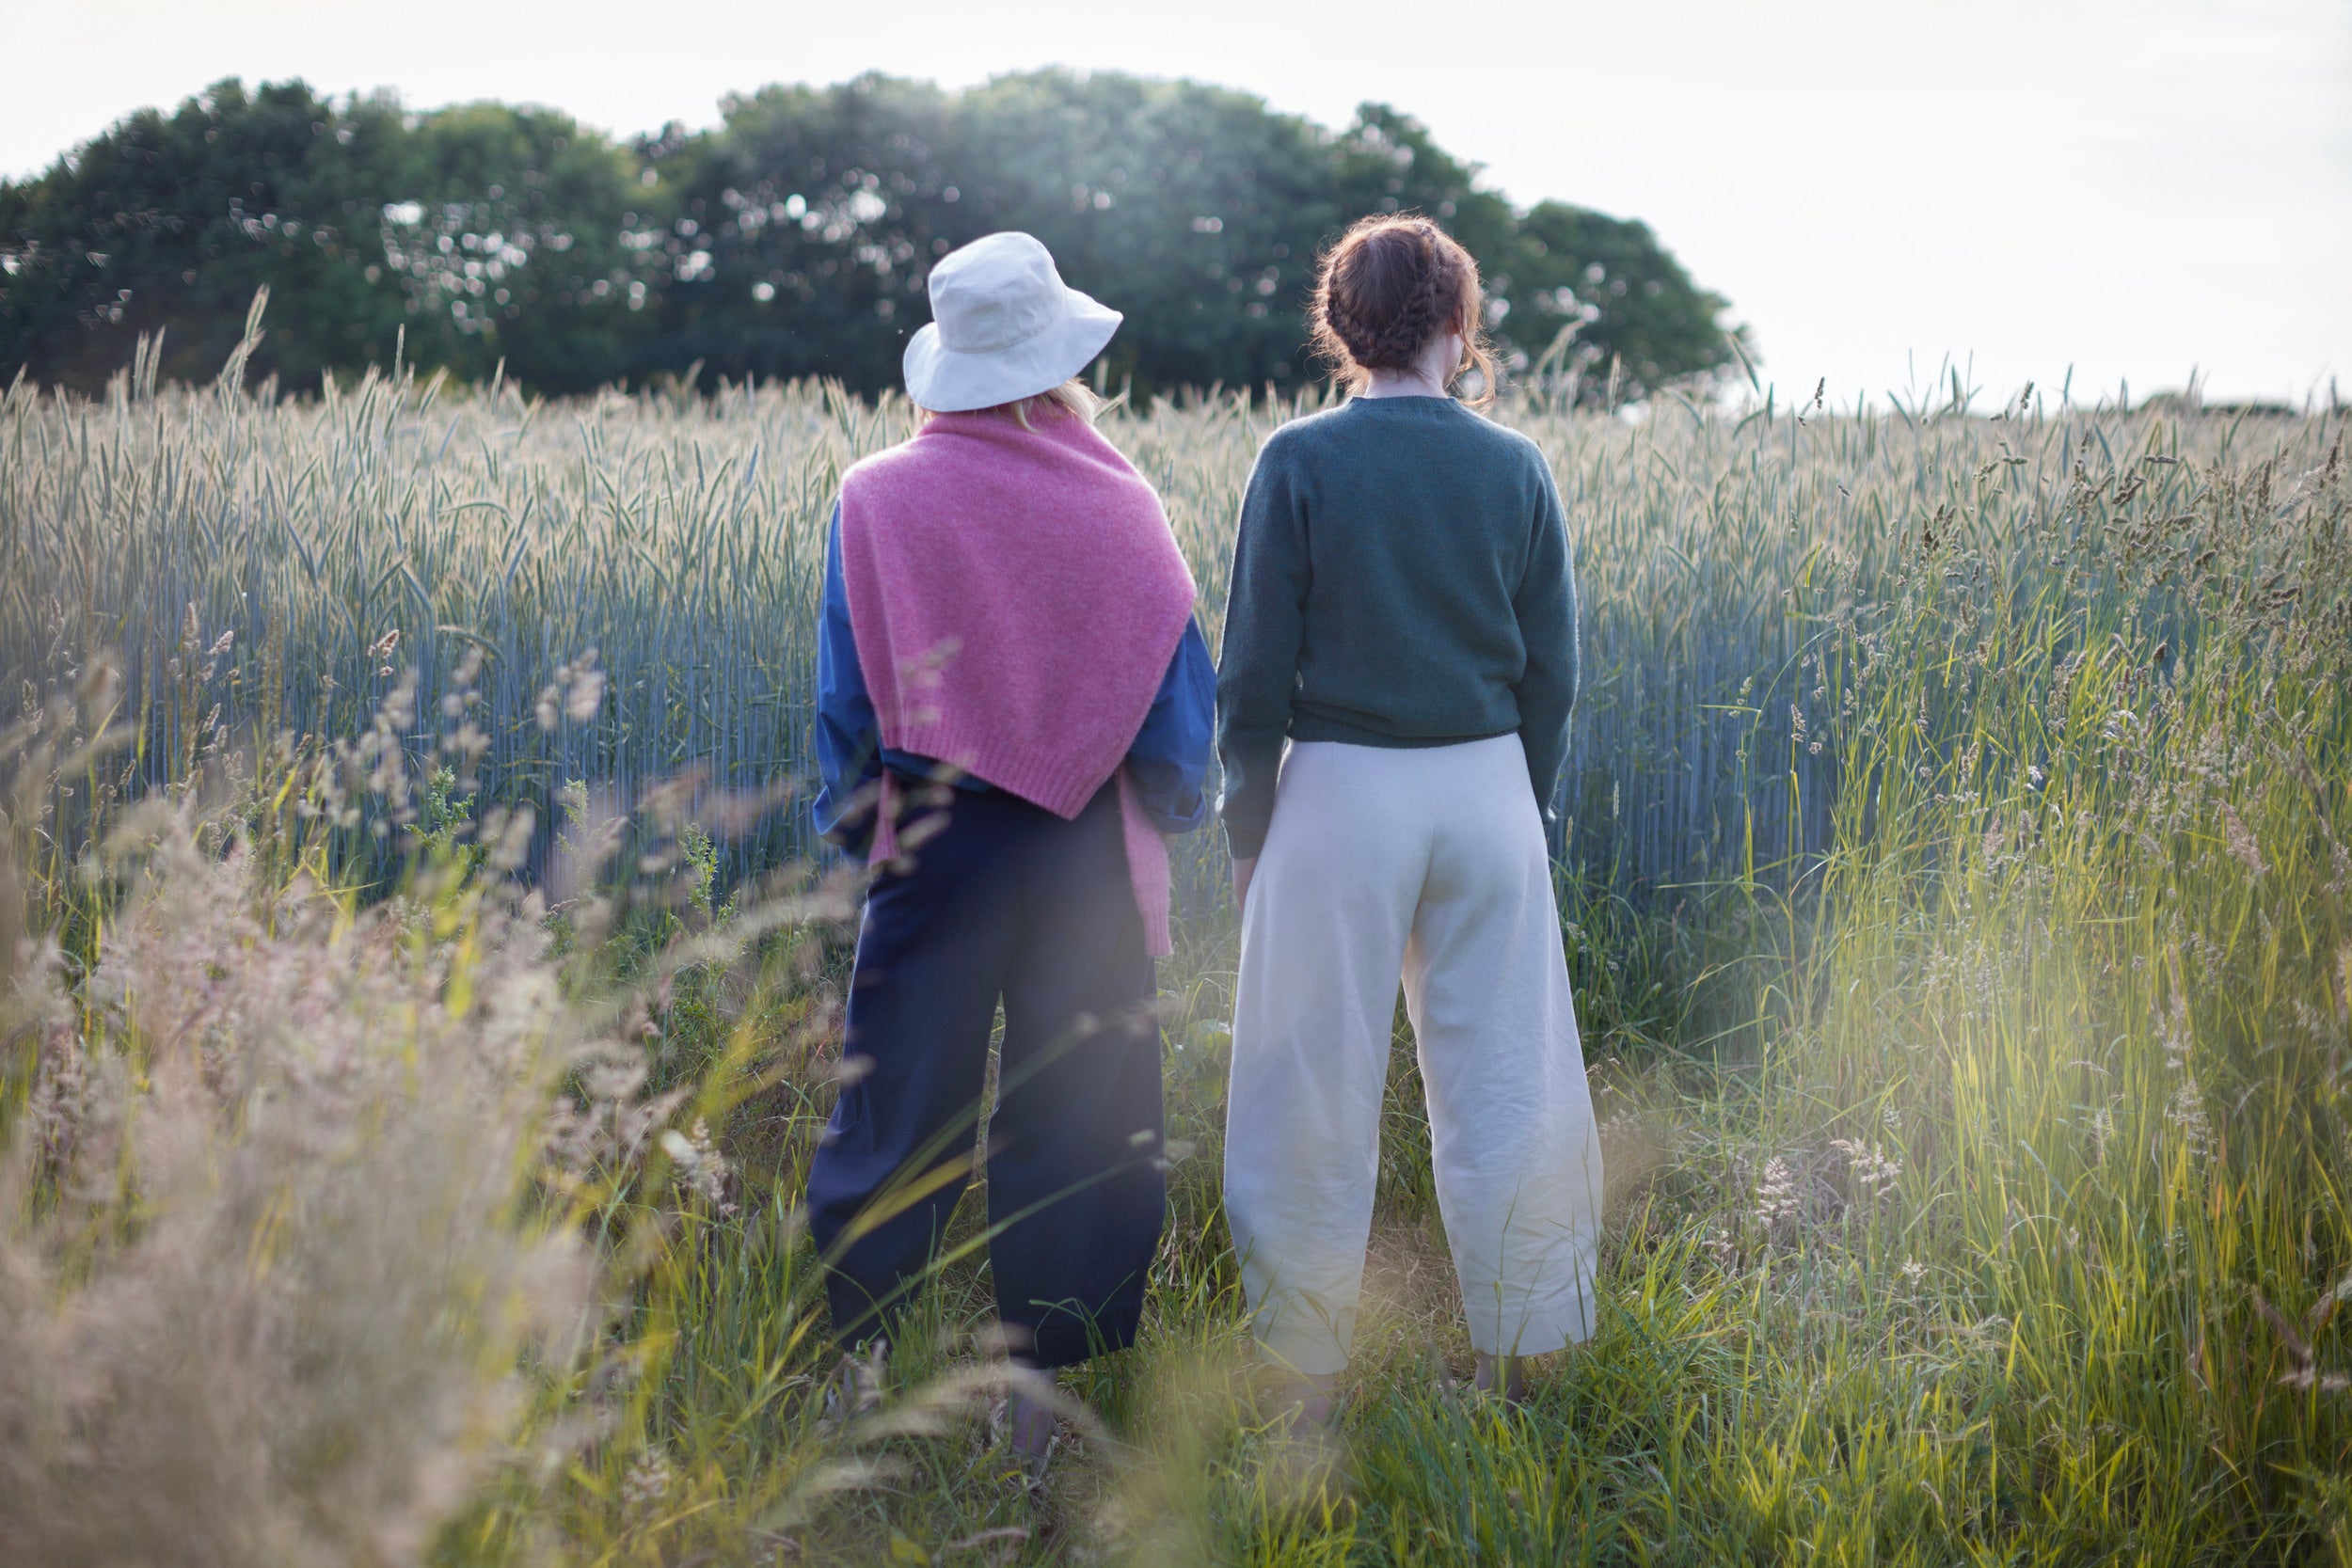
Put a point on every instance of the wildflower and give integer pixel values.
(64, 1103)
(587, 696)
(1873, 1168)
(507, 835)
(2241, 840)
(2186, 1111)
(576, 693)
(1913, 1271)
(609, 1119)
(1776, 1196)
(701, 1168)
(1722, 1248)
(646, 1485)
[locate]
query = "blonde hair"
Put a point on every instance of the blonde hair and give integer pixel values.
(1071, 397)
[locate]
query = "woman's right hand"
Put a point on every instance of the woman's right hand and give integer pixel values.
(1242, 870)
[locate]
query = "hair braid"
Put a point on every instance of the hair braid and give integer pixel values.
(1387, 288)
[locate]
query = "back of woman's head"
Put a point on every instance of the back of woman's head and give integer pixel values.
(1390, 286)
(1073, 398)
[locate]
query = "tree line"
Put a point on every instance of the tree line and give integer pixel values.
(793, 240)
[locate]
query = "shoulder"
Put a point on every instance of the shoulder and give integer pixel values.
(1504, 443)
(882, 468)
(1505, 452)
(897, 493)
(1079, 434)
(1294, 450)
(1305, 435)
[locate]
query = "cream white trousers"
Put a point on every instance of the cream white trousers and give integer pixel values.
(1428, 864)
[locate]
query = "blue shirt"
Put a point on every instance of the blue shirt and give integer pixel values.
(1170, 757)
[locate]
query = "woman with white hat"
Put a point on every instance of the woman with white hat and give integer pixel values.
(1014, 706)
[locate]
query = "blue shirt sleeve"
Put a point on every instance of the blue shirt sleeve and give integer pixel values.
(848, 736)
(1170, 753)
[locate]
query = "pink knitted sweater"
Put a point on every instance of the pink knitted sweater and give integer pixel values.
(1016, 596)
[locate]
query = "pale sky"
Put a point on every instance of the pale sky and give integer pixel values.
(2128, 188)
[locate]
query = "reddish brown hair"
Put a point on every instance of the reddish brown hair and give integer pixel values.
(1390, 284)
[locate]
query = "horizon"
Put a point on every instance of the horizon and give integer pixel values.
(2153, 197)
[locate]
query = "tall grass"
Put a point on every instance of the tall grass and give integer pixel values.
(335, 542)
(1957, 888)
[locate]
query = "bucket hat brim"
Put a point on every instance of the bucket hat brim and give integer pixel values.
(948, 381)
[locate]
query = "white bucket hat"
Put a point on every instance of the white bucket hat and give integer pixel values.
(1004, 326)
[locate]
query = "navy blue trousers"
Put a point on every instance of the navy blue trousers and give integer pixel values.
(1008, 902)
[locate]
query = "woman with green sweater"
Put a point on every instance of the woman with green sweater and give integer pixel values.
(1394, 699)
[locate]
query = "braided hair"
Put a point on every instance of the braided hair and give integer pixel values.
(1389, 286)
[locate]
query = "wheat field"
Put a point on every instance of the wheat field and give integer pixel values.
(392, 526)
(418, 1010)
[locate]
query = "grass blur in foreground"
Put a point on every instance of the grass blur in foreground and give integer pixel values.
(1958, 902)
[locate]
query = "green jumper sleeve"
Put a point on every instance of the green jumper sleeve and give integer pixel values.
(1547, 607)
(1264, 616)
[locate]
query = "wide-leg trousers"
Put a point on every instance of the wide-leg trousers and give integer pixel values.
(1010, 903)
(1427, 863)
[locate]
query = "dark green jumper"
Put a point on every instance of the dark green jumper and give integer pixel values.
(1402, 578)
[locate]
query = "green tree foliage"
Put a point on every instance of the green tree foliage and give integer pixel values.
(795, 239)
(477, 233)
(806, 228)
(1590, 292)
(517, 235)
(1192, 209)
(174, 220)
